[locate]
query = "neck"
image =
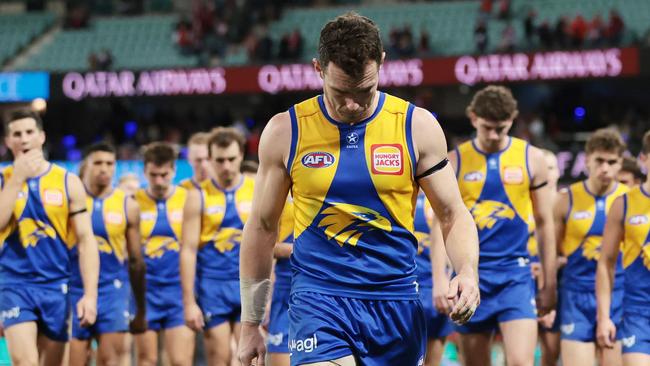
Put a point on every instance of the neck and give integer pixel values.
(229, 185)
(97, 190)
(599, 189)
(163, 196)
(646, 185)
(488, 149)
(334, 113)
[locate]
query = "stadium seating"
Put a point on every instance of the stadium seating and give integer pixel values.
(135, 42)
(18, 30)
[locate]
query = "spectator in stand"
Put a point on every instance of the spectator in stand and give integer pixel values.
(104, 59)
(504, 9)
(529, 26)
(184, 38)
(295, 44)
(486, 8)
(595, 32)
(507, 39)
(405, 46)
(545, 34)
(578, 31)
(615, 28)
(423, 44)
(561, 31)
(481, 36)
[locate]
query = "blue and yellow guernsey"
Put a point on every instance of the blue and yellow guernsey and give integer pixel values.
(496, 189)
(583, 236)
(189, 184)
(161, 222)
(285, 235)
(636, 249)
(39, 236)
(422, 233)
(224, 213)
(109, 221)
(354, 199)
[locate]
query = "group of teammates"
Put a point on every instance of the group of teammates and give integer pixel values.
(353, 185)
(124, 261)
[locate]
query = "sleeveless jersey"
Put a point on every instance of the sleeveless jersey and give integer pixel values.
(190, 184)
(39, 235)
(224, 213)
(354, 198)
(496, 189)
(285, 235)
(109, 221)
(636, 251)
(160, 228)
(583, 236)
(422, 233)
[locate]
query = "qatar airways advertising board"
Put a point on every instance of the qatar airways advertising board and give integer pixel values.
(272, 79)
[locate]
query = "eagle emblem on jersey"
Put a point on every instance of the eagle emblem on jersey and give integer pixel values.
(346, 223)
(227, 238)
(158, 245)
(32, 231)
(105, 246)
(645, 253)
(487, 213)
(591, 247)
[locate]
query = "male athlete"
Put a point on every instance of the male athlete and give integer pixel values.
(197, 156)
(503, 180)
(44, 216)
(630, 174)
(115, 219)
(354, 164)
(549, 325)
(278, 327)
(432, 269)
(628, 225)
(580, 214)
(212, 229)
(161, 220)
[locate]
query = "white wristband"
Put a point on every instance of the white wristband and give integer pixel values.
(254, 296)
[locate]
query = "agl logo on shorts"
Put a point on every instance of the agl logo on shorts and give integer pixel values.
(304, 345)
(387, 159)
(318, 159)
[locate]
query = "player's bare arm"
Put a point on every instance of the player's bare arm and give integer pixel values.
(88, 252)
(612, 237)
(189, 248)
(456, 223)
(543, 211)
(261, 232)
(137, 267)
(560, 211)
(282, 250)
(439, 259)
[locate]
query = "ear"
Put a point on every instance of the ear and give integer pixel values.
(317, 67)
(383, 57)
(473, 119)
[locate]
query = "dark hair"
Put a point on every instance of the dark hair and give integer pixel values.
(160, 153)
(224, 137)
(22, 114)
(350, 41)
(249, 166)
(605, 139)
(630, 165)
(99, 146)
(494, 103)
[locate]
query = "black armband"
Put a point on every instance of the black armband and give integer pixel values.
(433, 169)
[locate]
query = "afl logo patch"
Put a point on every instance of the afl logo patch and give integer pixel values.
(387, 159)
(581, 215)
(318, 159)
(53, 197)
(638, 220)
(473, 177)
(114, 218)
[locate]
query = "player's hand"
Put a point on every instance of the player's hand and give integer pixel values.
(606, 333)
(561, 262)
(87, 310)
(546, 299)
(440, 301)
(139, 324)
(194, 317)
(464, 294)
(28, 164)
(252, 349)
(536, 270)
(547, 320)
